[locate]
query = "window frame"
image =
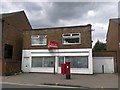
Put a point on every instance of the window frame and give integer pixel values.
(38, 36)
(70, 35)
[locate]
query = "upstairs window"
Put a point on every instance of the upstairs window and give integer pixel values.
(39, 40)
(71, 38)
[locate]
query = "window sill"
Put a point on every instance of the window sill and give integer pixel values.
(70, 43)
(38, 44)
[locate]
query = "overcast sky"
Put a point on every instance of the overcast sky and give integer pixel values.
(54, 14)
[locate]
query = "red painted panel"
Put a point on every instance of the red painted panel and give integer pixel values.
(52, 45)
(63, 69)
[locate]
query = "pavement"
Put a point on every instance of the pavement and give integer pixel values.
(85, 81)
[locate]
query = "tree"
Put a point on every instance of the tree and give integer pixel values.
(99, 46)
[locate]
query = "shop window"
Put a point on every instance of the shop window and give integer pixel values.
(39, 40)
(61, 60)
(71, 38)
(76, 61)
(48, 62)
(43, 61)
(37, 61)
(8, 51)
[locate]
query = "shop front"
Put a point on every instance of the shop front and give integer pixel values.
(49, 61)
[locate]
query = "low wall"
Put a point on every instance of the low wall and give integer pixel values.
(105, 54)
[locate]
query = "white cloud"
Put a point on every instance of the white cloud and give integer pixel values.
(91, 13)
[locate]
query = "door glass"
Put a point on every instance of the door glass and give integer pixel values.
(61, 60)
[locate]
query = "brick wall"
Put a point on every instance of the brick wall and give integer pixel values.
(55, 34)
(13, 27)
(12, 67)
(112, 36)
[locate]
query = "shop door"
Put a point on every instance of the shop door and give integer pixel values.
(26, 64)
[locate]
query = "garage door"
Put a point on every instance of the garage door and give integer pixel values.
(103, 64)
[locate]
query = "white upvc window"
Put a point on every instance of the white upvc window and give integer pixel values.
(38, 40)
(71, 38)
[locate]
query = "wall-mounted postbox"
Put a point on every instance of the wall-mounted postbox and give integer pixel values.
(63, 69)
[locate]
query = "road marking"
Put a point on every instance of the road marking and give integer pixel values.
(37, 85)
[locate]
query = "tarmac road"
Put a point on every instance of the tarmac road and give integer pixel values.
(15, 85)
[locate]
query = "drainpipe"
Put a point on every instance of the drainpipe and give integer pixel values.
(2, 46)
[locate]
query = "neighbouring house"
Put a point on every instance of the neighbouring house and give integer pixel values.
(11, 33)
(113, 39)
(45, 49)
(108, 61)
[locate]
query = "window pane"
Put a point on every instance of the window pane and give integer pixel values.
(35, 40)
(37, 61)
(61, 61)
(71, 40)
(75, 34)
(82, 62)
(39, 40)
(49, 61)
(72, 61)
(77, 62)
(66, 35)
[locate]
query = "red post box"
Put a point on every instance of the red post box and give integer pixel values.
(63, 69)
(68, 70)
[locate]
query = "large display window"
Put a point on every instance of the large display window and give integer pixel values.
(76, 61)
(43, 61)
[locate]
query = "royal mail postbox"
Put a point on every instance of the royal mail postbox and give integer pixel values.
(67, 70)
(63, 69)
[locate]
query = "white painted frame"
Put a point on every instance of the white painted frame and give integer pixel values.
(71, 37)
(38, 37)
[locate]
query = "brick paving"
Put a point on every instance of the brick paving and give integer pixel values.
(90, 81)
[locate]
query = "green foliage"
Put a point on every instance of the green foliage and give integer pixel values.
(99, 46)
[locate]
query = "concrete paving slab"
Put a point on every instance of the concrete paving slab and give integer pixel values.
(88, 81)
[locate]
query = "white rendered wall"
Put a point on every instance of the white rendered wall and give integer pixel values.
(57, 53)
